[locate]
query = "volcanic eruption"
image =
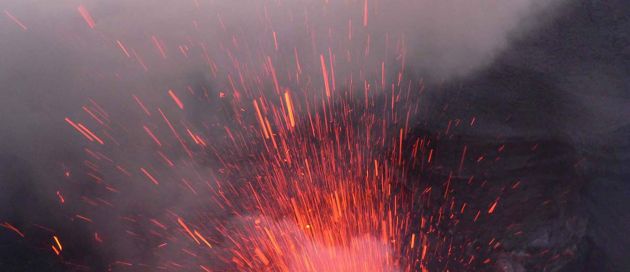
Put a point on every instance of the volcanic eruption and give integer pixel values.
(307, 135)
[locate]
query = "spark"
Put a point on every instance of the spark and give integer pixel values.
(61, 199)
(146, 173)
(325, 75)
(494, 205)
(141, 105)
(58, 243)
(79, 129)
(57, 251)
(150, 133)
(11, 227)
(15, 20)
(86, 16)
(122, 47)
(159, 46)
(176, 99)
(89, 132)
(181, 223)
(83, 218)
(287, 98)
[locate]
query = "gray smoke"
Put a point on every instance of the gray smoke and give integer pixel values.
(56, 65)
